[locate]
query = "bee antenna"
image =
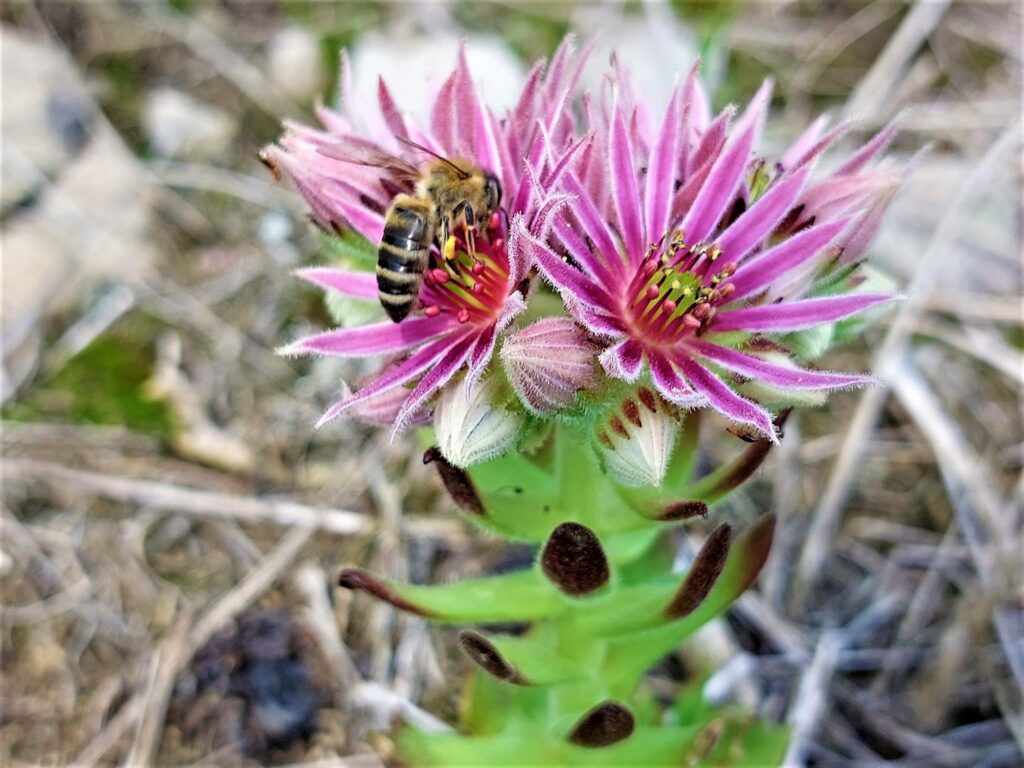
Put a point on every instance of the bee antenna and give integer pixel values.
(442, 158)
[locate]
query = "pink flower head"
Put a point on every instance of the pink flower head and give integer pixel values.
(349, 172)
(679, 239)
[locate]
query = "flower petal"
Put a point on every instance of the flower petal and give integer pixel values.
(724, 400)
(438, 375)
(594, 225)
(777, 375)
(671, 385)
(623, 361)
(624, 189)
(757, 222)
(370, 339)
(661, 169)
(797, 315)
(776, 262)
(357, 285)
(721, 186)
(863, 156)
(394, 376)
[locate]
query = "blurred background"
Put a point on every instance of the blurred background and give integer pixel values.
(172, 523)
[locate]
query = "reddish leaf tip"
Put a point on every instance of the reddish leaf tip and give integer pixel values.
(706, 569)
(456, 481)
(683, 510)
(358, 579)
(488, 658)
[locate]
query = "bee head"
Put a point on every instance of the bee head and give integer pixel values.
(492, 192)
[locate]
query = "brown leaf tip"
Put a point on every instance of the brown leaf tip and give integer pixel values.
(488, 658)
(706, 569)
(456, 481)
(574, 560)
(606, 724)
(757, 545)
(358, 579)
(683, 510)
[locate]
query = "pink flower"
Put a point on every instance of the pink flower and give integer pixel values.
(464, 302)
(682, 248)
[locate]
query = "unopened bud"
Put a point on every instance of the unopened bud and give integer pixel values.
(470, 427)
(636, 442)
(547, 362)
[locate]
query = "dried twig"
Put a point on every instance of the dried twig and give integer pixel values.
(825, 521)
(173, 498)
(811, 699)
(875, 87)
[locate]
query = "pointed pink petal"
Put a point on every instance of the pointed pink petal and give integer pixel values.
(758, 222)
(863, 157)
(595, 268)
(713, 139)
(370, 339)
(466, 106)
(817, 149)
(756, 110)
(661, 169)
(624, 190)
(797, 315)
(719, 191)
(395, 376)
(389, 110)
(596, 322)
(434, 379)
(565, 278)
(357, 285)
(761, 271)
(778, 375)
(623, 361)
(442, 116)
(594, 224)
(724, 400)
(671, 385)
(856, 239)
(803, 142)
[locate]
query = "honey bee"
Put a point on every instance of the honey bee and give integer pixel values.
(448, 192)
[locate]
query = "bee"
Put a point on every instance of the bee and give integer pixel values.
(447, 193)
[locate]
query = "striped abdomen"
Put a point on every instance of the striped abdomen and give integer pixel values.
(403, 255)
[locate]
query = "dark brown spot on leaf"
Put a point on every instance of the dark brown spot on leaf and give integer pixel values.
(358, 579)
(606, 724)
(456, 481)
(683, 510)
(488, 658)
(574, 560)
(707, 567)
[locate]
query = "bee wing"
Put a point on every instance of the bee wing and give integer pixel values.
(361, 153)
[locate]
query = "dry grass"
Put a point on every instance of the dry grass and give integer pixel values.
(888, 627)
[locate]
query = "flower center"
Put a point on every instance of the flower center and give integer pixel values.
(469, 279)
(676, 290)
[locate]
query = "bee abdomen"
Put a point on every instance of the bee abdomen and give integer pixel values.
(402, 258)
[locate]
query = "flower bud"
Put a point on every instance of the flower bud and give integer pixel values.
(470, 427)
(636, 441)
(547, 362)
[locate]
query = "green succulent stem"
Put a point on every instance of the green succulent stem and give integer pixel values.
(600, 606)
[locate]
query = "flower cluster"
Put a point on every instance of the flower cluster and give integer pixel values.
(661, 263)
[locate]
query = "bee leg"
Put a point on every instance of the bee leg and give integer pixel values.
(469, 220)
